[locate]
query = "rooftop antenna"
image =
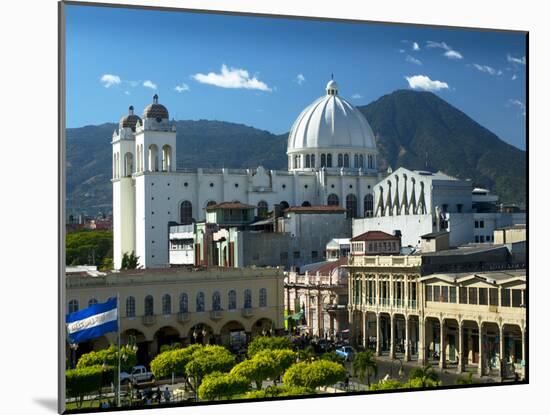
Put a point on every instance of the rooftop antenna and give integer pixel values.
(332, 76)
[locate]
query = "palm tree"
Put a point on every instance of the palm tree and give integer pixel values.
(364, 366)
(426, 374)
(466, 379)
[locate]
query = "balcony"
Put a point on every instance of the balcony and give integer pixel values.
(183, 317)
(216, 315)
(149, 320)
(247, 312)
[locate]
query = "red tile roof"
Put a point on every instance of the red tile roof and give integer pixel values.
(327, 268)
(230, 205)
(316, 209)
(375, 236)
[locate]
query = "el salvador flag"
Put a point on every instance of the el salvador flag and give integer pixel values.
(92, 322)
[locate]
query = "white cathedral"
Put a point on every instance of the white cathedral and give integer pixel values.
(332, 160)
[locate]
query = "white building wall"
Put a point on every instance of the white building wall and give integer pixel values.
(411, 227)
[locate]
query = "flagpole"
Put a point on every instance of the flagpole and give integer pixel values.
(119, 351)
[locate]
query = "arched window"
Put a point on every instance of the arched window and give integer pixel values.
(370, 161)
(153, 158)
(200, 302)
(307, 160)
(346, 160)
(130, 307)
(262, 209)
(186, 212)
(306, 204)
(351, 206)
(361, 161)
(166, 158)
(296, 162)
(313, 160)
(323, 160)
(284, 205)
(340, 160)
(210, 203)
(263, 297)
(333, 200)
(356, 161)
(184, 303)
(166, 305)
(149, 305)
(232, 300)
(128, 164)
(369, 205)
(73, 306)
(247, 298)
(216, 301)
(329, 160)
(91, 302)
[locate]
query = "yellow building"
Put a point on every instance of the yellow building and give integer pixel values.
(161, 306)
(451, 319)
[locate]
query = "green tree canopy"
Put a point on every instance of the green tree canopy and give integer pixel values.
(333, 357)
(129, 261)
(426, 375)
(218, 385)
(88, 247)
(87, 380)
(314, 374)
(266, 364)
(109, 356)
(282, 390)
(364, 365)
(388, 384)
(268, 343)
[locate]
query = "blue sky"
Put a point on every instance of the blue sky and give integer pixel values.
(263, 71)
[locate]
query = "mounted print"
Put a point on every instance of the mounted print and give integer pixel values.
(269, 207)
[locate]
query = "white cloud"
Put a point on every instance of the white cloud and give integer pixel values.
(183, 87)
(108, 80)
(410, 59)
(356, 96)
(487, 69)
(517, 103)
(449, 51)
(231, 78)
(425, 83)
(127, 92)
(149, 84)
(415, 46)
(453, 54)
(514, 77)
(520, 61)
(300, 78)
(401, 50)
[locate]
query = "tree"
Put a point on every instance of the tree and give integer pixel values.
(283, 390)
(86, 380)
(173, 361)
(88, 247)
(107, 264)
(417, 383)
(109, 356)
(307, 355)
(388, 384)
(314, 374)
(364, 366)
(426, 374)
(333, 357)
(129, 261)
(268, 343)
(222, 385)
(266, 364)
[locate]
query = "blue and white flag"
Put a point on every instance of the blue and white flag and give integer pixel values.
(92, 322)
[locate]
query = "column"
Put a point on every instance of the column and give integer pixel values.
(442, 343)
(365, 342)
(421, 340)
(460, 366)
(392, 291)
(351, 328)
(523, 336)
(501, 351)
(480, 347)
(407, 341)
(378, 331)
(392, 339)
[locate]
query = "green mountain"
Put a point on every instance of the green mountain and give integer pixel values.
(411, 127)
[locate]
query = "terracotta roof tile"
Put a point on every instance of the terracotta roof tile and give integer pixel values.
(316, 209)
(375, 236)
(230, 205)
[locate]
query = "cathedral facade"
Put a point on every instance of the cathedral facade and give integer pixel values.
(332, 160)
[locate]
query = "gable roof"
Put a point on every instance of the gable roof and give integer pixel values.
(375, 236)
(230, 205)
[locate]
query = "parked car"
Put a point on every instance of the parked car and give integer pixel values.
(347, 352)
(138, 374)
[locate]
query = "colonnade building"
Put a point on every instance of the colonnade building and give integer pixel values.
(463, 320)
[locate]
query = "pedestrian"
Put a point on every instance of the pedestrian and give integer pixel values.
(166, 395)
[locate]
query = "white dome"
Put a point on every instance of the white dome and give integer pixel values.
(331, 123)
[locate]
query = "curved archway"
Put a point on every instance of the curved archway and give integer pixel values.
(210, 203)
(201, 333)
(186, 212)
(329, 160)
(233, 335)
(333, 200)
(153, 157)
(166, 335)
(351, 206)
(262, 327)
(262, 209)
(368, 205)
(306, 204)
(128, 164)
(138, 338)
(284, 205)
(166, 158)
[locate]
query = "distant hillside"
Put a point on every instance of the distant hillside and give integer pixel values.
(408, 124)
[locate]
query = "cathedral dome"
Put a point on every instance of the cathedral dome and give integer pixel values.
(331, 123)
(130, 120)
(155, 110)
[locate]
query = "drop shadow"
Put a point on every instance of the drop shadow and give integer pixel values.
(48, 403)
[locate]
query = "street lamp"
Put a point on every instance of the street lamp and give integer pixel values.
(204, 335)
